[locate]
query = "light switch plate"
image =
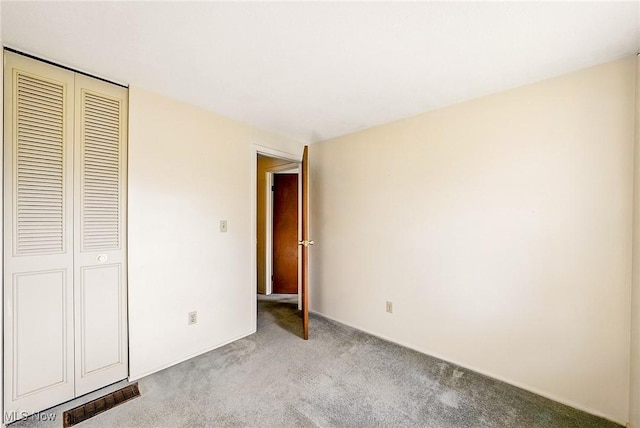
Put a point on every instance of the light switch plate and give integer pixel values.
(223, 225)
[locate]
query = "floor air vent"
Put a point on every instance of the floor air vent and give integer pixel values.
(99, 405)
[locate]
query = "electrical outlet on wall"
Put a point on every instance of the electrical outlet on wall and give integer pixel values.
(390, 307)
(193, 317)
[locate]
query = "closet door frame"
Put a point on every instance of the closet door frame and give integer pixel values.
(83, 279)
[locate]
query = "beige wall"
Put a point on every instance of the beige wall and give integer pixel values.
(189, 169)
(264, 163)
(500, 229)
(634, 395)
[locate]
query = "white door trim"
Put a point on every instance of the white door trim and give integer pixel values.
(273, 153)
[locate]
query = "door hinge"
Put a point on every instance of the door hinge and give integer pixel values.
(271, 278)
(273, 188)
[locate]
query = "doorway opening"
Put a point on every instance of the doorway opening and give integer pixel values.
(279, 229)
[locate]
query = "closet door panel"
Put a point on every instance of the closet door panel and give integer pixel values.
(40, 322)
(100, 234)
(101, 325)
(38, 236)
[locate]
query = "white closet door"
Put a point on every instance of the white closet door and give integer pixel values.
(38, 236)
(100, 233)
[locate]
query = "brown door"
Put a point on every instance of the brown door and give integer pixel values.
(306, 242)
(285, 233)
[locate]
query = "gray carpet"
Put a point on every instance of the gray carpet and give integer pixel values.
(341, 377)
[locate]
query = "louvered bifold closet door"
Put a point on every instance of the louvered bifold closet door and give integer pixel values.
(100, 213)
(38, 236)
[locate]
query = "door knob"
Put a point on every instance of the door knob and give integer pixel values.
(305, 243)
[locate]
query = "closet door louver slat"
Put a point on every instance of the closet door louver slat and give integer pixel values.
(101, 166)
(39, 194)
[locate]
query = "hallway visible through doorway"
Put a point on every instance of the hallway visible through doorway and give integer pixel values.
(285, 234)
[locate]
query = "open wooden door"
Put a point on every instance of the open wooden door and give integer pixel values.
(306, 242)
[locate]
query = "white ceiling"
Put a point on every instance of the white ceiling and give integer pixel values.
(312, 71)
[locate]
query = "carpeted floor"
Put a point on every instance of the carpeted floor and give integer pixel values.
(341, 377)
